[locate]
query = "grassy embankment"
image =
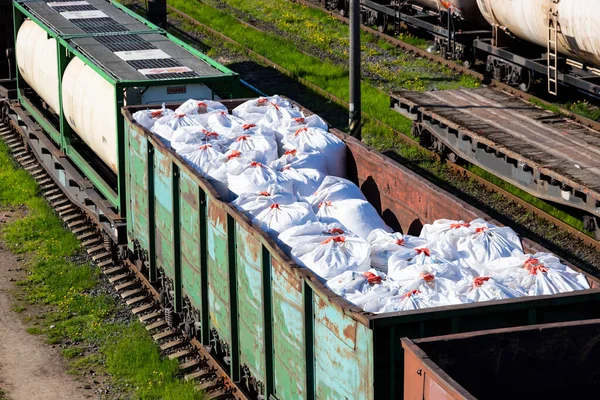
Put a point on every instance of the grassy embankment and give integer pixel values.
(74, 308)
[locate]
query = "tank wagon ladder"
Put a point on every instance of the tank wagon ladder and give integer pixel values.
(552, 53)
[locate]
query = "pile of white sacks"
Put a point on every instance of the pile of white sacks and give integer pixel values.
(286, 172)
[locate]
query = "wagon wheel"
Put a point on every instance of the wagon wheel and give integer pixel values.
(344, 8)
(383, 23)
(452, 157)
(526, 80)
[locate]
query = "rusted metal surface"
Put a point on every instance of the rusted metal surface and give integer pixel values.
(189, 205)
(541, 361)
(343, 354)
(250, 299)
(424, 380)
(137, 221)
(163, 213)
(218, 272)
(288, 332)
(402, 209)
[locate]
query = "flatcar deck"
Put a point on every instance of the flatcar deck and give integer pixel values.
(543, 153)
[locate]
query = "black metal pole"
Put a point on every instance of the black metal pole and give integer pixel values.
(157, 12)
(355, 110)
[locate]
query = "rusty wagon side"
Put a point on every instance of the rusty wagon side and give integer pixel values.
(548, 361)
(275, 325)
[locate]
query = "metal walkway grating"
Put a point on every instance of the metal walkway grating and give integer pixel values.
(124, 43)
(121, 45)
(99, 25)
(82, 7)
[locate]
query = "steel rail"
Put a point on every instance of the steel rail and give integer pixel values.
(489, 186)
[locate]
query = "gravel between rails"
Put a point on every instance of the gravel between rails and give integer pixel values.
(270, 81)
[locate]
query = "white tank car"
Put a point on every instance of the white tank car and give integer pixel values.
(464, 9)
(89, 107)
(36, 55)
(88, 100)
(579, 33)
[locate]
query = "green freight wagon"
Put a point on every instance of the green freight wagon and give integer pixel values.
(279, 330)
(80, 61)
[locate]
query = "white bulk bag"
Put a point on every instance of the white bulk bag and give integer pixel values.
(347, 282)
(254, 110)
(196, 136)
(253, 203)
(384, 244)
(359, 216)
(256, 142)
(192, 106)
(488, 244)
(334, 188)
(323, 142)
(485, 288)
(538, 274)
(276, 116)
(330, 256)
(202, 157)
(429, 278)
(290, 126)
(301, 158)
(218, 176)
(147, 118)
(278, 217)
(252, 176)
(542, 280)
(305, 180)
(413, 300)
(169, 123)
(374, 292)
(309, 232)
(423, 256)
(443, 234)
(225, 124)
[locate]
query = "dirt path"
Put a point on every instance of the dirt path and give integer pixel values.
(29, 368)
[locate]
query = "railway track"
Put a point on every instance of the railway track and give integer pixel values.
(491, 187)
(456, 67)
(142, 299)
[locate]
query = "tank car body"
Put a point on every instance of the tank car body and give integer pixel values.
(464, 9)
(578, 35)
(76, 68)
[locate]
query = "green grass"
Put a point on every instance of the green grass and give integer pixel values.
(72, 311)
(72, 352)
(19, 308)
(34, 330)
(384, 66)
